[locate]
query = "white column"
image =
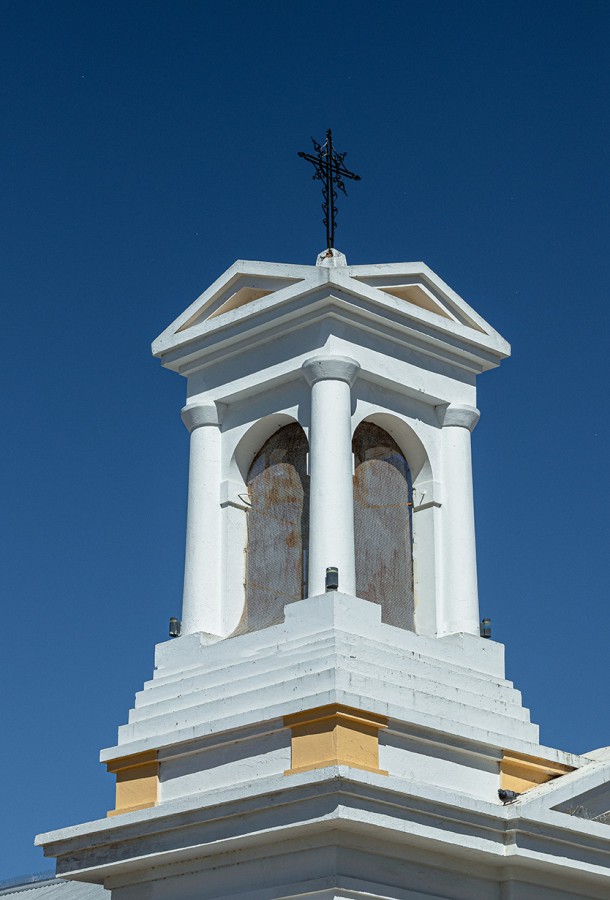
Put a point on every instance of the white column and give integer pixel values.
(459, 608)
(331, 490)
(201, 603)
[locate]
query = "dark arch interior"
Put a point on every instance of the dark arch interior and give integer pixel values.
(278, 529)
(382, 523)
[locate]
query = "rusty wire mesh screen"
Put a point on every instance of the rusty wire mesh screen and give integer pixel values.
(278, 529)
(382, 522)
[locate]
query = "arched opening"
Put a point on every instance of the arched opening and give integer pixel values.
(278, 529)
(383, 499)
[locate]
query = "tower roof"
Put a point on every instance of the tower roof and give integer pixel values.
(399, 299)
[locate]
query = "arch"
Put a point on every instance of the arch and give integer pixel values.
(409, 442)
(383, 502)
(278, 527)
(251, 442)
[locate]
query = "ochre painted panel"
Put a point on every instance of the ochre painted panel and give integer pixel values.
(335, 735)
(520, 773)
(137, 782)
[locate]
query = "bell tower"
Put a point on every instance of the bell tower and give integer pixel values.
(330, 723)
(332, 347)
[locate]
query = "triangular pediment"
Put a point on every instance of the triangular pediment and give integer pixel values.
(241, 290)
(422, 289)
(255, 295)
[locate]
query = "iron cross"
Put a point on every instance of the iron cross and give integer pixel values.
(330, 170)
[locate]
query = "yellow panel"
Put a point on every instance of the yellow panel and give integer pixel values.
(520, 773)
(312, 746)
(358, 746)
(137, 782)
(335, 735)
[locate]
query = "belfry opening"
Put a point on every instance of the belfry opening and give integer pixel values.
(277, 529)
(383, 501)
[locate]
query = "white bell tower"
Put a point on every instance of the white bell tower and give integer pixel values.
(330, 346)
(330, 724)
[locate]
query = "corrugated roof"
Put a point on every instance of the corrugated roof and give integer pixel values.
(55, 889)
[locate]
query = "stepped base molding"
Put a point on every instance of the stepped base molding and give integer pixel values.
(334, 757)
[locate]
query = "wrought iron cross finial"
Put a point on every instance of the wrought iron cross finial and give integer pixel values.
(330, 170)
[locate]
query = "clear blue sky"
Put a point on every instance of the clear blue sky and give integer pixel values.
(149, 145)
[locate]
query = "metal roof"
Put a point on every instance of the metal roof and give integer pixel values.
(53, 889)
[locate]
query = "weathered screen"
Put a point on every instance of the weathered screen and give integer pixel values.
(382, 521)
(278, 529)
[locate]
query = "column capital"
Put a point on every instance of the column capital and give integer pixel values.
(194, 415)
(335, 368)
(460, 416)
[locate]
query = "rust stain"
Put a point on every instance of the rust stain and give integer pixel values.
(293, 539)
(382, 520)
(278, 528)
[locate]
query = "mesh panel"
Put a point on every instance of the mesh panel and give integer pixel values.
(382, 521)
(278, 529)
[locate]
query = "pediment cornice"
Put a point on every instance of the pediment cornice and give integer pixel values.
(254, 301)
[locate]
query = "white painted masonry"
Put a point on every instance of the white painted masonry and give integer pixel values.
(309, 660)
(460, 601)
(415, 359)
(201, 605)
(331, 514)
(331, 346)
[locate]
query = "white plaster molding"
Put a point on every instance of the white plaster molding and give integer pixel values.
(323, 286)
(396, 829)
(329, 259)
(327, 368)
(232, 493)
(196, 415)
(460, 416)
(331, 648)
(178, 655)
